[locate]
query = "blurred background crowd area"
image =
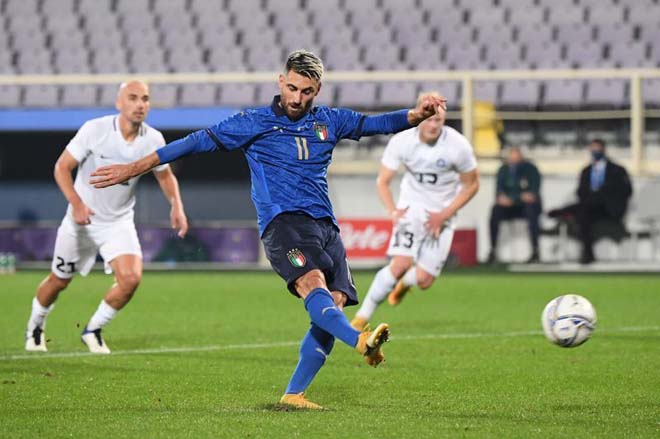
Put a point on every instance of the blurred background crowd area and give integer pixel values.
(600, 59)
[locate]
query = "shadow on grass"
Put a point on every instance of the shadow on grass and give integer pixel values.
(277, 407)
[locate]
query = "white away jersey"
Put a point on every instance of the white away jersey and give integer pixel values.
(99, 142)
(431, 180)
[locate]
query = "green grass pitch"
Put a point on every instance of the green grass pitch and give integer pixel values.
(209, 354)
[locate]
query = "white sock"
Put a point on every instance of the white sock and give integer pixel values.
(410, 278)
(382, 284)
(101, 317)
(38, 315)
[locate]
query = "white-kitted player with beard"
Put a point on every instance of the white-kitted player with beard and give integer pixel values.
(440, 177)
(101, 220)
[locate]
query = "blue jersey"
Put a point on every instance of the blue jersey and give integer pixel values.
(288, 159)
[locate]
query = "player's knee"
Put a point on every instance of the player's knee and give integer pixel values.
(339, 298)
(57, 282)
(129, 280)
(310, 281)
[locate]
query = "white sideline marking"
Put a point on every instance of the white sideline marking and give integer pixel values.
(165, 350)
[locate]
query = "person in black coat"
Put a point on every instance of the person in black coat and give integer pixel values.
(603, 194)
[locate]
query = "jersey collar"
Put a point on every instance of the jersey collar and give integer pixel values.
(115, 125)
(279, 112)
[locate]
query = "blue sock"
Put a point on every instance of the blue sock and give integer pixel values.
(315, 348)
(327, 316)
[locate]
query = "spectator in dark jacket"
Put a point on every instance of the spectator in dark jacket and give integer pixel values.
(603, 194)
(517, 196)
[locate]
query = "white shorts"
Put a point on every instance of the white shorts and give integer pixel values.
(410, 238)
(76, 246)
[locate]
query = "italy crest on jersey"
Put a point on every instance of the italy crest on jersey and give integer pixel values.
(321, 131)
(296, 258)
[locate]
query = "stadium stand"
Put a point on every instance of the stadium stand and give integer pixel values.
(152, 36)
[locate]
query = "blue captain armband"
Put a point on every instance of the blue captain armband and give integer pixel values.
(194, 143)
(386, 123)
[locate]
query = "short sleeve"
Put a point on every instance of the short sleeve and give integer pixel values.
(347, 123)
(466, 160)
(159, 143)
(392, 156)
(79, 146)
(237, 131)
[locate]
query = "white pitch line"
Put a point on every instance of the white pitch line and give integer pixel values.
(166, 350)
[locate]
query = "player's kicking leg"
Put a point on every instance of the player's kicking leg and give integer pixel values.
(128, 273)
(328, 322)
(42, 304)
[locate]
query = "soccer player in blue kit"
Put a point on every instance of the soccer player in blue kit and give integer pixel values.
(288, 146)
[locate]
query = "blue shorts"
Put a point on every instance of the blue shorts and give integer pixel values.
(296, 243)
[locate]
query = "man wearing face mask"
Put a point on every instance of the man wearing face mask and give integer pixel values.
(603, 194)
(517, 196)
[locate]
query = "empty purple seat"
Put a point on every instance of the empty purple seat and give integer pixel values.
(397, 94)
(610, 34)
(527, 33)
(79, 95)
(466, 57)
(497, 34)
(563, 93)
(606, 93)
(574, 33)
(383, 57)
(485, 91)
(424, 56)
(630, 54)
(41, 96)
(503, 56)
(651, 92)
(10, 96)
(605, 15)
(163, 95)
(520, 94)
(356, 94)
(527, 15)
(585, 55)
(238, 95)
(198, 95)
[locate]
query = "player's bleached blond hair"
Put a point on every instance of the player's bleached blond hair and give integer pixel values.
(305, 63)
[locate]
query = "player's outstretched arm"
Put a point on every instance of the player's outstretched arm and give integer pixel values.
(194, 143)
(395, 121)
(115, 174)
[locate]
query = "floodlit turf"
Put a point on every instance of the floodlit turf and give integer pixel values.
(218, 349)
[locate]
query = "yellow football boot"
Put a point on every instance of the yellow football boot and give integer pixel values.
(369, 344)
(298, 401)
(398, 293)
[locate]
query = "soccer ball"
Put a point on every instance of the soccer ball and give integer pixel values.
(568, 320)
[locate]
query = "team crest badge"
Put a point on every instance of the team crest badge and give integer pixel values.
(321, 131)
(296, 258)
